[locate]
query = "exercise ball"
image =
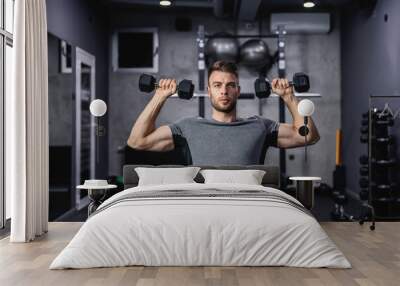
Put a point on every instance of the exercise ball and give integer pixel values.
(255, 54)
(224, 48)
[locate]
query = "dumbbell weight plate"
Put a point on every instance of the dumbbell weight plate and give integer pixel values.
(364, 171)
(363, 182)
(388, 122)
(364, 129)
(384, 200)
(301, 82)
(185, 89)
(364, 194)
(387, 140)
(262, 87)
(364, 160)
(385, 187)
(146, 83)
(384, 163)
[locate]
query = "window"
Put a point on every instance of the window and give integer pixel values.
(135, 50)
(6, 66)
(9, 16)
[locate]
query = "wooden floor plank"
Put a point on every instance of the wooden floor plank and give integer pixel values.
(374, 255)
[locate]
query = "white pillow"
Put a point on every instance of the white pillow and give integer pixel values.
(249, 177)
(163, 176)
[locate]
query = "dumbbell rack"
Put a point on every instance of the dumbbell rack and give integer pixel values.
(379, 189)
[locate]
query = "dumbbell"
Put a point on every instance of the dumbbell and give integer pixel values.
(383, 163)
(147, 83)
(384, 121)
(386, 187)
(384, 140)
(364, 194)
(364, 171)
(364, 160)
(364, 122)
(364, 138)
(262, 87)
(364, 129)
(364, 182)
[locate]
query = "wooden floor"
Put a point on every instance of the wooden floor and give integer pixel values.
(375, 256)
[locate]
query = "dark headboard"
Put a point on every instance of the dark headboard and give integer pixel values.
(270, 179)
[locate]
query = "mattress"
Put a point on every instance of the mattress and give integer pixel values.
(201, 225)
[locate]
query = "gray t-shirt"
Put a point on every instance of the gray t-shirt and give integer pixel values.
(210, 142)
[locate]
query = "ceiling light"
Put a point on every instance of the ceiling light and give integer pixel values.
(308, 4)
(165, 3)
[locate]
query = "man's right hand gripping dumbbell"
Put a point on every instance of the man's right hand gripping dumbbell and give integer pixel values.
(166, 87)
(144, 135)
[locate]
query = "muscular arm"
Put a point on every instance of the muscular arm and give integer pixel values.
(144, 135)
(288, 134)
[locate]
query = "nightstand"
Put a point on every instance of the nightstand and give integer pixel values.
(305, 190)
(97, 191)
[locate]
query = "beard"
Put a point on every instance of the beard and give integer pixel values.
(223, 108)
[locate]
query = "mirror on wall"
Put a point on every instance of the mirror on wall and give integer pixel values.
(61, 127)
(84, 123)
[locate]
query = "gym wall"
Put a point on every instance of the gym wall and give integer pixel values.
(317, 55)
(83, 24)
(370, 65)
(60, 98)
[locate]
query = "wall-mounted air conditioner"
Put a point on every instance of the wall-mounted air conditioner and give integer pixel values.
(301, 23)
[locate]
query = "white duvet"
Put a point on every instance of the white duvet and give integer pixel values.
(200, 231)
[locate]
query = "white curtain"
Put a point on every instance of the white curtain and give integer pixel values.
(27, 124)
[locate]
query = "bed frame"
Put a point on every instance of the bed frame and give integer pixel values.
(270, 179)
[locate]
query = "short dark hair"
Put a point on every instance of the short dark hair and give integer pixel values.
(223, 66)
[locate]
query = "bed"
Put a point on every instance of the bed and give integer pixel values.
(198, 224)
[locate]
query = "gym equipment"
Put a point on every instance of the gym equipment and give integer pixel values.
(300, 82)
(364, 129)
(262, 87)
(363, 194)
(363, 182)
(378, 185)
(339, 214)
(323, 188)
(254, 54)
(364, 171)
(339, 194)
(222, 46)
(147, 83)
(364, 160)
(383, 163)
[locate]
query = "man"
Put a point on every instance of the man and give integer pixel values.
(224, 139)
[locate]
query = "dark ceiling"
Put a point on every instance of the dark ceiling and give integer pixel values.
(239, 9)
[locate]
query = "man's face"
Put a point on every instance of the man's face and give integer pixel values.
(223, 90)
